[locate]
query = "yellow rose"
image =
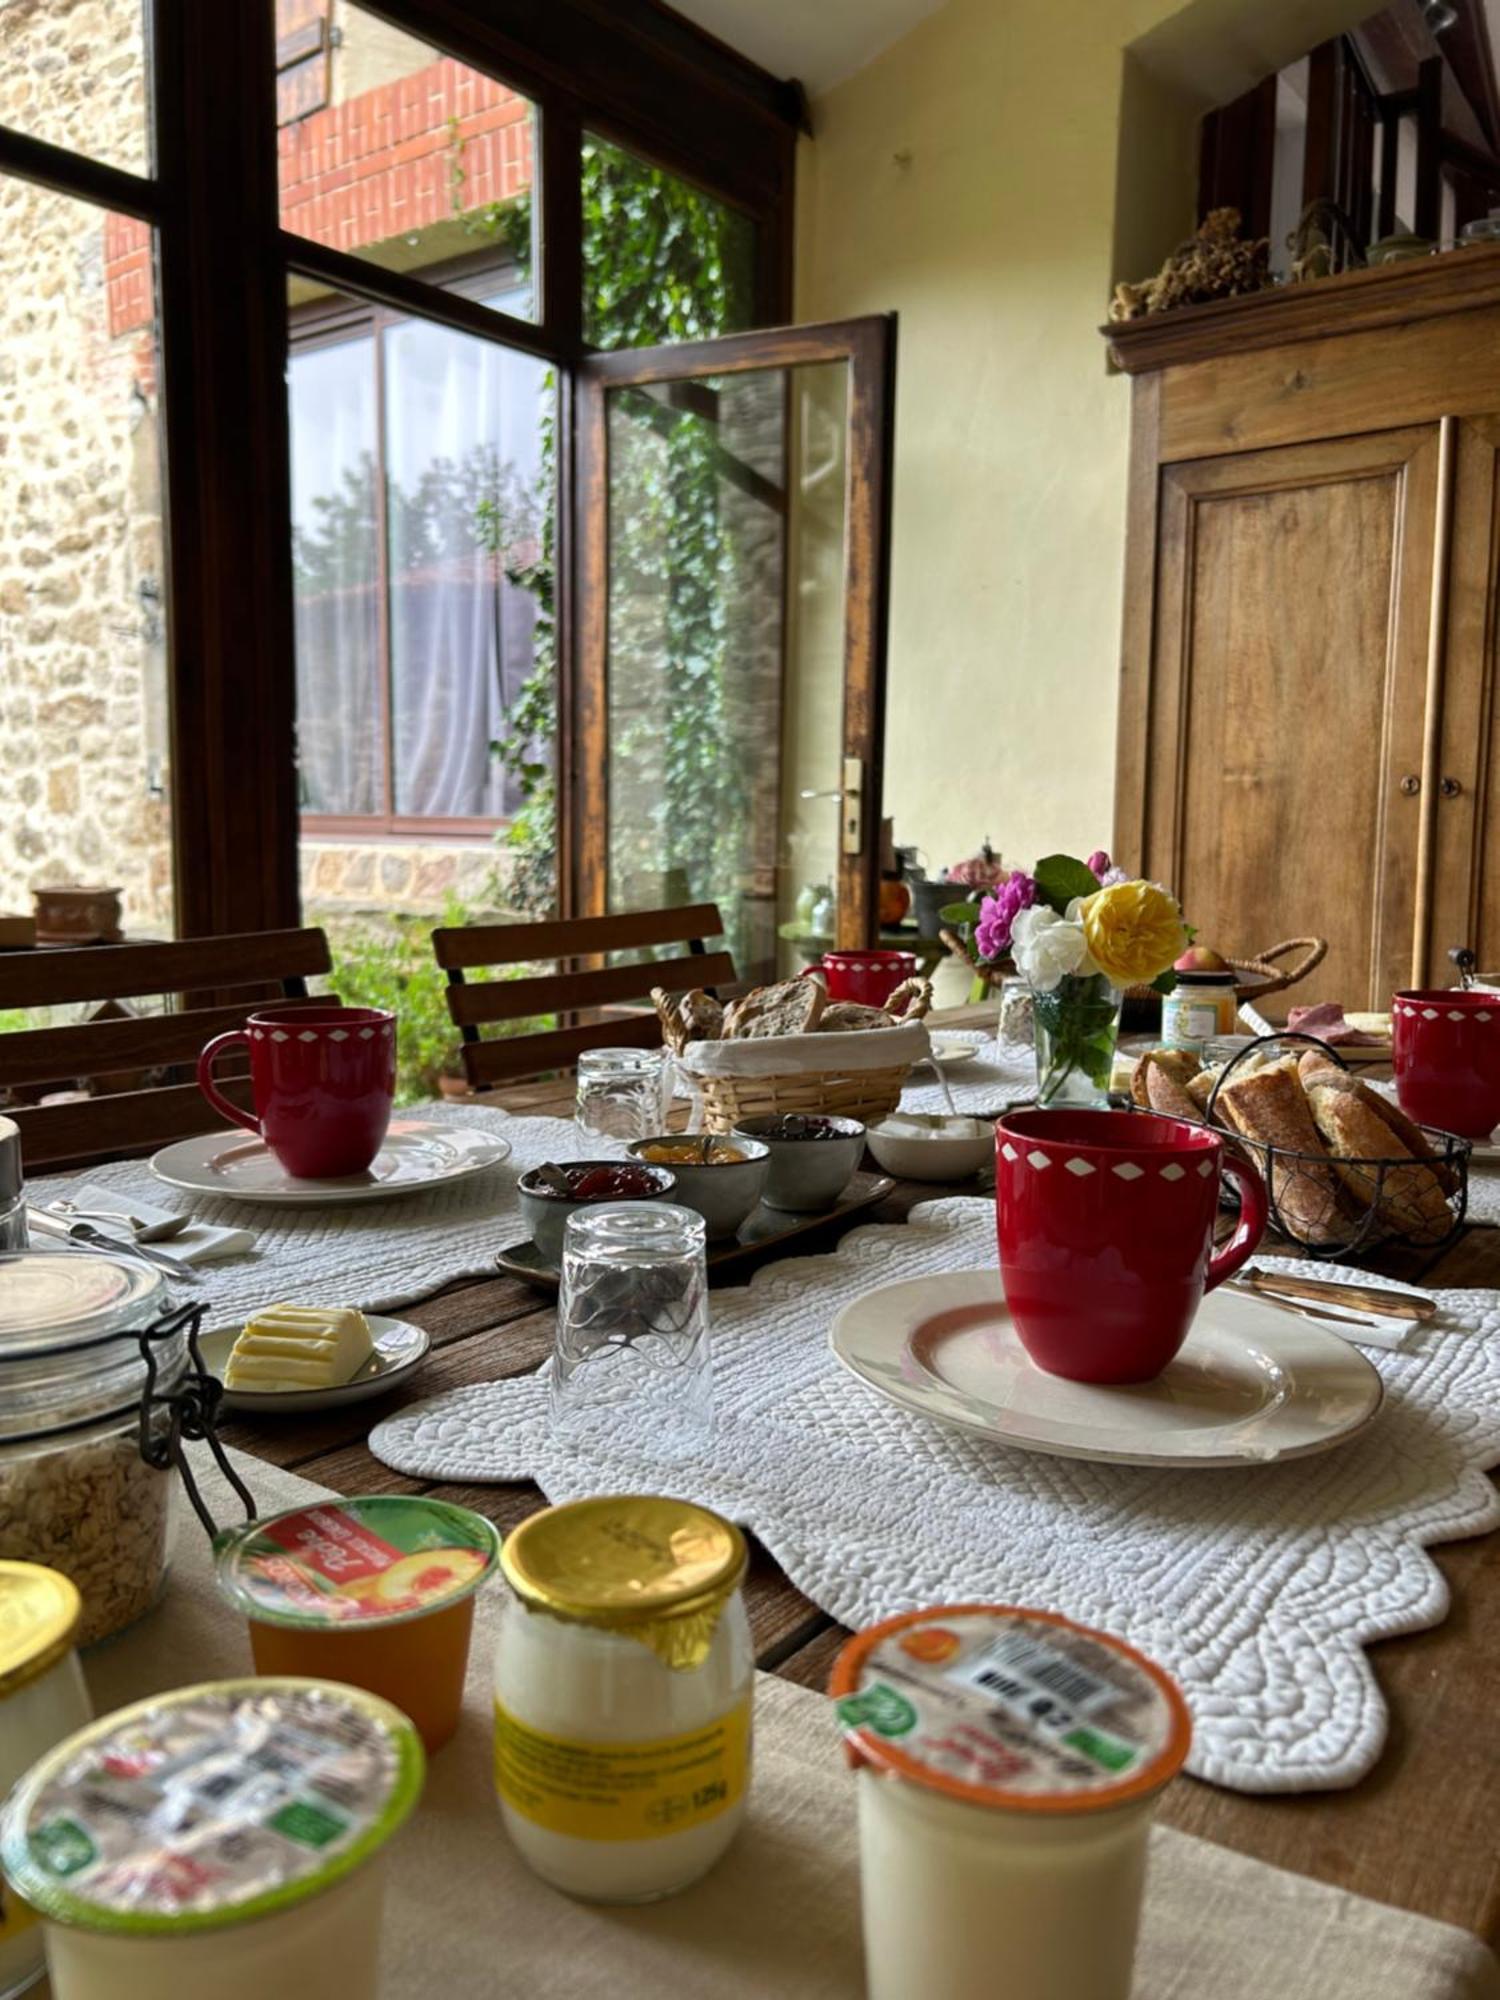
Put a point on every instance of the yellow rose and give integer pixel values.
(1134, 931)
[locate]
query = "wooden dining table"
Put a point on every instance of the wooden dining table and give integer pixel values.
(1419, 1831)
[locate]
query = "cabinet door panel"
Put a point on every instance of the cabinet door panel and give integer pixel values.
(1288, 689)
(1466, 848)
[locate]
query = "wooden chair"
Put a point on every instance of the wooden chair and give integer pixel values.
(573, 988)
(257, 968)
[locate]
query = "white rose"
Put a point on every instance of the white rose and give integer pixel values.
(1047, 947)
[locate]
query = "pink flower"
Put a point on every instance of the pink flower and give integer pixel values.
(1098, 861)
(998, 912)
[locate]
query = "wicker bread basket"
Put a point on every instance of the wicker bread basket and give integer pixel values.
(847, 1075)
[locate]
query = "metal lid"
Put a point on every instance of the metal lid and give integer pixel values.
(39, 1613)
(994, 1705)
(660, 1570)
(12, 1180)
(210, 1805)
(377, 1559)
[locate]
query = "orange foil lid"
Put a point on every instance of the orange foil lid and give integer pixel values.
(999, 1706)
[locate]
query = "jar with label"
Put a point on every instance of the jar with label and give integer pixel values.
(1200, 1006)
(1008, 1765)
(76, 1494)
(623, 1687)
(42, 1700)
(377, 1590)
(226, 1839)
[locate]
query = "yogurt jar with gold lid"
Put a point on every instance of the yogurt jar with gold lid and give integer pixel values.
(42, 1700)
(623, 1688)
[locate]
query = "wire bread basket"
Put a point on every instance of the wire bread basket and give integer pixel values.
(1335, 1205)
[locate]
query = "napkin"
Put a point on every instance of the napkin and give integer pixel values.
(197, 1243)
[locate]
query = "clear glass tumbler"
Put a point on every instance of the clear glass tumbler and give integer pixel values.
(621, 1093)
(631, 1353)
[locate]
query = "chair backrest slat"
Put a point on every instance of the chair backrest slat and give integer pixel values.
(513, 999)
(133, 1121)
(262, 967)
(523, 1055)
(105, 1048)
(574, 937)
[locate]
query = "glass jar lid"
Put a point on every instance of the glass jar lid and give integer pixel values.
(39, 1613)
(377, 1559)
(997, 1706)
(210, 1805)
(69, 1356)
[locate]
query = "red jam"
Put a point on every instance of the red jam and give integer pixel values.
(623, 1183)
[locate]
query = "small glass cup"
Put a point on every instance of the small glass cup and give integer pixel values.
(632, 1347)
(621, 1093)
(1016, 1029)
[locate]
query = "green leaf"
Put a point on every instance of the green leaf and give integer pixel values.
(1165, 982)
(1061, 877)
(959, 913)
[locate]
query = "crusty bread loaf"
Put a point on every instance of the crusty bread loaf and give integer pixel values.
(1172, 1070)
(792, 1007)
(848, 1016)
(1351, 1118)
(1271, 1106)
(695, 1016)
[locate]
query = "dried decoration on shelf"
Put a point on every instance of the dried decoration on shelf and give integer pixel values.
(1216, 263)
(1323, 243)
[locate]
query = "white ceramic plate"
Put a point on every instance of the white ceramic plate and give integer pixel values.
(952, 1048)
(399, 1348)
(1252, 1384)
(415, 1156)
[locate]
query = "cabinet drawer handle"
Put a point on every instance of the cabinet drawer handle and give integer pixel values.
(1411, 784)
(1450, 788)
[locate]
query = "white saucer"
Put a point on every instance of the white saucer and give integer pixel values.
(416, 1155)
(952, 1048)
(1251, 1385)
(399, 1348)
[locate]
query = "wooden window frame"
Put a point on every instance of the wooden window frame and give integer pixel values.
(632, 71)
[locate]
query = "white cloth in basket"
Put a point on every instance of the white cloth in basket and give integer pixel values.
(810, 1055)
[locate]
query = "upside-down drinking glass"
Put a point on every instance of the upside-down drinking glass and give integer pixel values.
(631, 1353)
(621, 1093)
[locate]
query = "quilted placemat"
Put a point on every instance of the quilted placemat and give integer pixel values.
(1259, 1588)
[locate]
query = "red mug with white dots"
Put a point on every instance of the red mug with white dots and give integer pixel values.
(322, 1079)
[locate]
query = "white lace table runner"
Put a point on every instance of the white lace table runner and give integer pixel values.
(1258, 1588)
(375, 1255)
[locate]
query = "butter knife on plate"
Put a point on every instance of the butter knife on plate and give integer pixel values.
(1338, 1292)
(67, 1231)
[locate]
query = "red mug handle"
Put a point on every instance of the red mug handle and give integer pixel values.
(211, 1090)
(1254, 1214)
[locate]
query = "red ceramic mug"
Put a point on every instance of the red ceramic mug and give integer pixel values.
(870, 977)
(1446, 1053)
(322, 1079)
(1106, 1222)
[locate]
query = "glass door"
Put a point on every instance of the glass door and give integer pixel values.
(731, 593)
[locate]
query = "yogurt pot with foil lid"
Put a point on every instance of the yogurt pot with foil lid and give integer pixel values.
(224, 1839)
(1009, 1763)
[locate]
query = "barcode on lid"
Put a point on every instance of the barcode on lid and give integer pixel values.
(1015, 1667)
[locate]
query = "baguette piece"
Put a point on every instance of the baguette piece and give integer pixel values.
(1270, 1106)
(1175, 1065)
(694, 1016)
(792, 1007)
(1411, 1199)
(1407, 1130)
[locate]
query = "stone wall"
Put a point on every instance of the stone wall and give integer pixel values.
(82, 669)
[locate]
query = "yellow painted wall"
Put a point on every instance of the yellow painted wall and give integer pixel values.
(967, 179)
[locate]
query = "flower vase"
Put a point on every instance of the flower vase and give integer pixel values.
(1076, 1027)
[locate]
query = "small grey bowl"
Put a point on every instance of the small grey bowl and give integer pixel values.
(723, 1195)
(806, 1174)
(546, 1215)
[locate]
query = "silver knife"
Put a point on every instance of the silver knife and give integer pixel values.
(97, 1239)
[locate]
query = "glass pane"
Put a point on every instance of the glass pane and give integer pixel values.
(661, 261)
(336, 570)
(464, 423)
(697, 605)
(83, 666)
(73, 72)
(394, 152)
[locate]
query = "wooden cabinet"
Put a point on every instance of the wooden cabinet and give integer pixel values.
(1309, 741)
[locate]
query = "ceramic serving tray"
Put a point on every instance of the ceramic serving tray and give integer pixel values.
(762, 1229)
(1252, 1384)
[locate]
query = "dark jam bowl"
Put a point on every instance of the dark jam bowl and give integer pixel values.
(546, 1211)
(813, 1155)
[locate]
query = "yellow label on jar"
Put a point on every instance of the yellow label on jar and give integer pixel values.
(622, 1791)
